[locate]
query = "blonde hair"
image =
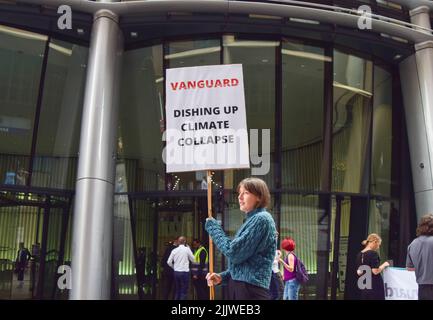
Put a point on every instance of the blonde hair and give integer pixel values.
(372, 237)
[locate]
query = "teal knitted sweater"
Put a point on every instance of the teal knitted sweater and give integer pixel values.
(251, 253)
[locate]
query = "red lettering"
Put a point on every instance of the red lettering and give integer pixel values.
(191, 84)
(200, 84)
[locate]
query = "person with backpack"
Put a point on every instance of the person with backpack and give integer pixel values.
(291, 283)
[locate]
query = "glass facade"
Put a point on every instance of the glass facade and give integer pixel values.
(328, 114)
(41, 83)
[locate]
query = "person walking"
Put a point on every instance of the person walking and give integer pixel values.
(179, 260)
(370, 258)
(23, 256)
(420, 257)
(251, 252)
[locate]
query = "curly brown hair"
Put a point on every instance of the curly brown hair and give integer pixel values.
(425, 227)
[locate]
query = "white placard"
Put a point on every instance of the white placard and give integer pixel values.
(206, 121)
(400, 284)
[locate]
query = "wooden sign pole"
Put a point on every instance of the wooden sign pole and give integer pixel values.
(209, 214)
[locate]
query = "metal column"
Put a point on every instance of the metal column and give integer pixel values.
(416, 73)
(93, 213)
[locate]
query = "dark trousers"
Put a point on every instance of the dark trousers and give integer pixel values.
(201, 288)
(240, 290)
(182, 282)
(20, 276)
(167, 284)
(425, 292)
(277, 287)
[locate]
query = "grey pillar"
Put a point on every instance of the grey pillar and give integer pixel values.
(416, 73)
(93, 214)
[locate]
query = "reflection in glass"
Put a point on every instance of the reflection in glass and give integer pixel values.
(382, 133)
(55, 162)
(141, 120)
(351, 123)
(258, 62)
(21, 56)
(379, 222)
(304, 221)
(302, 124)
(343, 243)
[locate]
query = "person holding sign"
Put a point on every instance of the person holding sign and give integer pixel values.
(252, 251)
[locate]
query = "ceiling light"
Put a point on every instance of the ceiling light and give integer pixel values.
(192, 53)
(251, 44)
(353, 89)
(22, 34)
(60, 49)
(306, 55)
(304, 21)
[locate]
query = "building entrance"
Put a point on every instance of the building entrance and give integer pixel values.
(33, 233)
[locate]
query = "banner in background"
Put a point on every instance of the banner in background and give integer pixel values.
(400, 284)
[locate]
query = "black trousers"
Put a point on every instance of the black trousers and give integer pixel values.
(201, 288)
(425, 292)
(239, 290)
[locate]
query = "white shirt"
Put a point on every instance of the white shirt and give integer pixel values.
(179, 258)
(275, 264)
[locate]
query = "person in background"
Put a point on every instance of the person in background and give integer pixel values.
(167, 275)
(251, 253)
(277, 286)
(420, 257)
(199, 270)
(291, 284)
(179, 260)
(23, 256)
(369, 257)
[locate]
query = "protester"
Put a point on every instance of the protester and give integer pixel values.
(370, 258)
(179, 260)
(420, 257)
(251, 253)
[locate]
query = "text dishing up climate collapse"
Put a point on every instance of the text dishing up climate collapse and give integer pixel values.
(205, 125)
